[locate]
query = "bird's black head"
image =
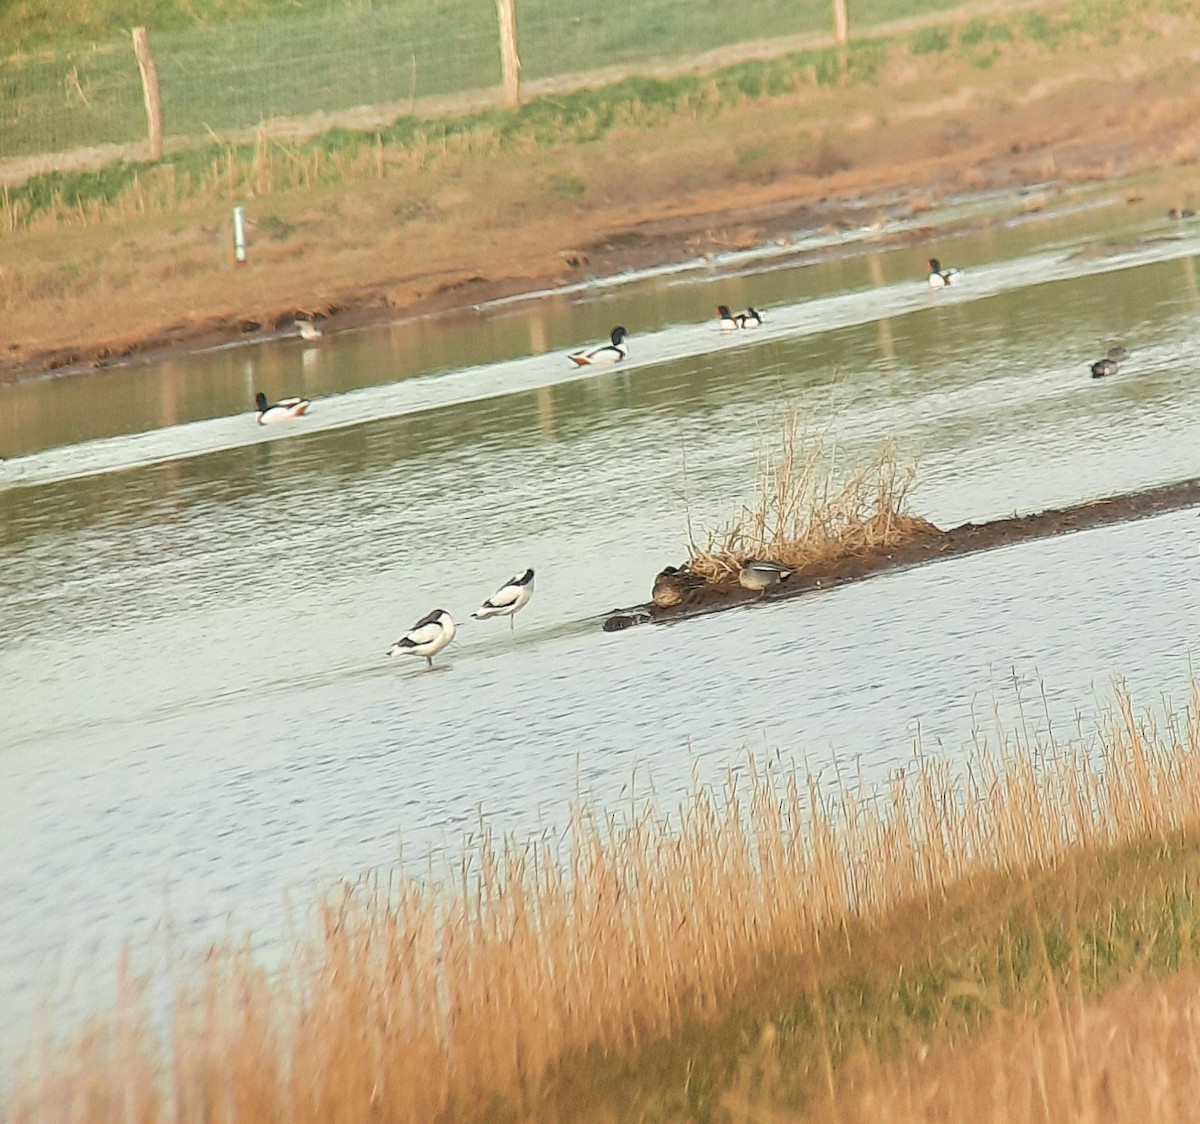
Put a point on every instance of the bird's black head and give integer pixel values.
(723, 311)
(935, 266)
(261, 399)
(618, 334)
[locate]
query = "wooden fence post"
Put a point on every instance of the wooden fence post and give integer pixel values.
(145, 61)
(508, 51)
(841, 25)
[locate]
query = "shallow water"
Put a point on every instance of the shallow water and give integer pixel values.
(198, 718)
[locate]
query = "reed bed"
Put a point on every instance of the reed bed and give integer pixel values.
(478, 1000)
(805, 517)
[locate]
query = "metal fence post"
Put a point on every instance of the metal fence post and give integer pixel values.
(145, 61)
(507, 11)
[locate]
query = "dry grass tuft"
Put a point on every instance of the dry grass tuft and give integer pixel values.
(805, 520)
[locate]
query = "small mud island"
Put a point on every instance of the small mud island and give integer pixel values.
(861, 531)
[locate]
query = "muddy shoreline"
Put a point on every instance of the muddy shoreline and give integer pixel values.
(680, 240)
(967, 538)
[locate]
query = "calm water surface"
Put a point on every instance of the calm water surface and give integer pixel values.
(198, 723)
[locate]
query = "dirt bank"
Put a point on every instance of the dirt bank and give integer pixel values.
(473, 226)
(924, 547)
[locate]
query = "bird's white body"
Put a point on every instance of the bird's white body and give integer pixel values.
(427, 637)
(611, 352)
(284, 410)
(308, 330)
(509, 599)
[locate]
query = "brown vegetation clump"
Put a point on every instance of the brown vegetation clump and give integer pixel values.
(805, 520)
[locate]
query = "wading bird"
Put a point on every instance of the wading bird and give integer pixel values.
(427, 637)
(508, 600)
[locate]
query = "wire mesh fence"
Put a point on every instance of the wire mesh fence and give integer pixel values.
(392, 53)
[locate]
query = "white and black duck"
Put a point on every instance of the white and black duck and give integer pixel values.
(612, 352)
(284, 410)
(733, 321)
(939, 278)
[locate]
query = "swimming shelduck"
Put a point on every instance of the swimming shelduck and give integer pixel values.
(758, 576)
(1118, 353)
(508, 600)
(731, 321)
(607, 353)
(1102, 368)
(283, 410)
(939, 278)
(308, 330)
(427, 637)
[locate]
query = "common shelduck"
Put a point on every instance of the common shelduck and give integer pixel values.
(1118, 354)
(760, 575)
(1102, 368)
(508, 600)
(427, 637)
(308, 330)
(732, 321)
(939, 278)
(283, 410)
(607, 353)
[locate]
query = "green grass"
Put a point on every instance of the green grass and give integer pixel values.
(229, 64)
(580, 117)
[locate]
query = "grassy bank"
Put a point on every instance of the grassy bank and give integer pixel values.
(768, 949)
(197, 176)
(224, 65)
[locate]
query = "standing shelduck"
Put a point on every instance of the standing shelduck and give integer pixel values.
(283, 410)
(612, 352)
(732, 321)
(427, 637)
(508, 600)
(939, 278)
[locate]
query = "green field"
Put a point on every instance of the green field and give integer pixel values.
(71, 80)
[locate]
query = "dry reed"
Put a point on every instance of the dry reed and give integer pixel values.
(419, 1004)
(803, 518)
